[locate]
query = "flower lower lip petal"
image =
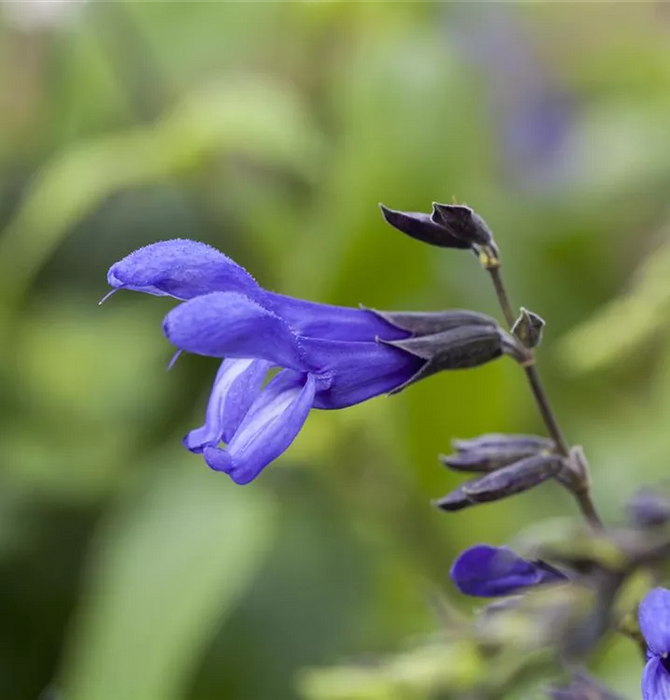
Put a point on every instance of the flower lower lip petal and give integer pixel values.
(236, 387)
(269, 427)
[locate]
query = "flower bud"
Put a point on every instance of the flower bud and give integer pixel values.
(515, 478)
(456, 500)
(490, 452)
(485, 460)
(462, 223)
(504, 441)
(423, 228)
(507, 481)
(528, 328)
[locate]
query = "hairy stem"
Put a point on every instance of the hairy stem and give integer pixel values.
(580, 491)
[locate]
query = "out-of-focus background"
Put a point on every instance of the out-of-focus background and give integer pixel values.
(128, 570)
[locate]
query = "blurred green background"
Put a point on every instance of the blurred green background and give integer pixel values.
(128, 570)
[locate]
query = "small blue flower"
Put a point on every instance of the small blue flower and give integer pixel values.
(330, 356)
(488, 572)
(654, 618)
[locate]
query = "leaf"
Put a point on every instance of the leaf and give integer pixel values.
(167, 570)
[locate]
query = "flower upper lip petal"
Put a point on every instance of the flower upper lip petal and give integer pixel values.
(181, 268)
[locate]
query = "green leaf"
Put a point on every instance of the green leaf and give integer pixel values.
(167, 570)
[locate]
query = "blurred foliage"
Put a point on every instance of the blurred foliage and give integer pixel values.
(272, 130)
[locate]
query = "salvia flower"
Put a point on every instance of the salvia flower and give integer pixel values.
(330, 357)
(488, 572)
(654, 618)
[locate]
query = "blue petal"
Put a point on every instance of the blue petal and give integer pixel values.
(331, 322)
(654, 617)
(268, 429)
(225, 324)
(180, 268)
(488, 571)
(236, 387)
(655, 681)
(349, 373)
(185, 269)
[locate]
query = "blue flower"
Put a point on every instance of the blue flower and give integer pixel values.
(330, 357)
(488, 572)
(654, 618)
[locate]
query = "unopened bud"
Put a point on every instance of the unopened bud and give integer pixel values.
(506, 481)
(494, 451)
(528, 328)
(456, 500)
(461, 222)
(504, 441)
(487, 459)
(518, 477)
(423, 228)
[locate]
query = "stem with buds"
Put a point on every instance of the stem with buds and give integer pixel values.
(576, 479)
